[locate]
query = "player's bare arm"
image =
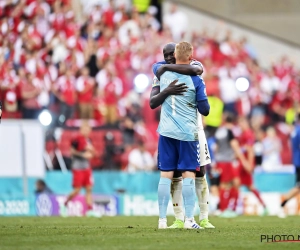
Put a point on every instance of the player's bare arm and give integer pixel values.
(184, 69)
(239, 154)
(251, 156)
(90, 148)
(157, 97)
(74, 152)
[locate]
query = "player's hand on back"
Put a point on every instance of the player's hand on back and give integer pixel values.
(176, 89)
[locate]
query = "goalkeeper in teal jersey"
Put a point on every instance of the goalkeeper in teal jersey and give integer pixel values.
(178, 118)
(178, 147)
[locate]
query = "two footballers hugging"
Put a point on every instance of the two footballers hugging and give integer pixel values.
(180, 90)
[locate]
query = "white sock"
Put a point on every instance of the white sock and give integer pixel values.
(202, 192)
(176, 193)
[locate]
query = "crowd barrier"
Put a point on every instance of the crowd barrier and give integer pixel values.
(120, 193)
(112, 182)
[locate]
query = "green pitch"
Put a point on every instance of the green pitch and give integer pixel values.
(141, 233)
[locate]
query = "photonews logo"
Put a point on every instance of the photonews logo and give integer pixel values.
(270, 238)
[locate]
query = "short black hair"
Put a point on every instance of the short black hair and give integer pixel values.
(41, 182)
(170, 46)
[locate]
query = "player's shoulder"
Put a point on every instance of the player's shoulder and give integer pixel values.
(159, 63)
(156, 65)
(196, 63)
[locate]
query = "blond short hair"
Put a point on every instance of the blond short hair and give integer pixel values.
(183, 51)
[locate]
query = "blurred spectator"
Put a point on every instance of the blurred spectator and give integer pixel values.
(291, 114)
(127, 128)
(228, 90)
(131, 125)
(129, 31)
(140, 159)
(85, 87)
(111, 153)
(214, 120)
(177, 21)
(30, 90)
(91, 57)
(99, 109)
(65, 91)
(110, 89)
(42, 188)
(269, 84)
(151, 21)
(271, 150)
(134, 112)
(248, 48)
(11, 88)
(258, 147)
(141, 5)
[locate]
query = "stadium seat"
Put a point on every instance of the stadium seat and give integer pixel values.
(11, 115)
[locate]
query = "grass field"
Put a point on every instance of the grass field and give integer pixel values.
(141, 233)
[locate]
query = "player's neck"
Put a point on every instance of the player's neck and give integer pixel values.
(182, 62)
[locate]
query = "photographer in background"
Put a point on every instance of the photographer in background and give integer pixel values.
(112, 153)
(140, 159)
(42, 188)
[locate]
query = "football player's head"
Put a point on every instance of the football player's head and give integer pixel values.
(168, 52)
(183, 52)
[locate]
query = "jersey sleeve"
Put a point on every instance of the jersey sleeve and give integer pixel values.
(196, 63)
(156, 82)
(156, 66)
(230, 135)
(200, 88)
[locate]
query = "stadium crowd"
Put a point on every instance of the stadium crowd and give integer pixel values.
(86, 70)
